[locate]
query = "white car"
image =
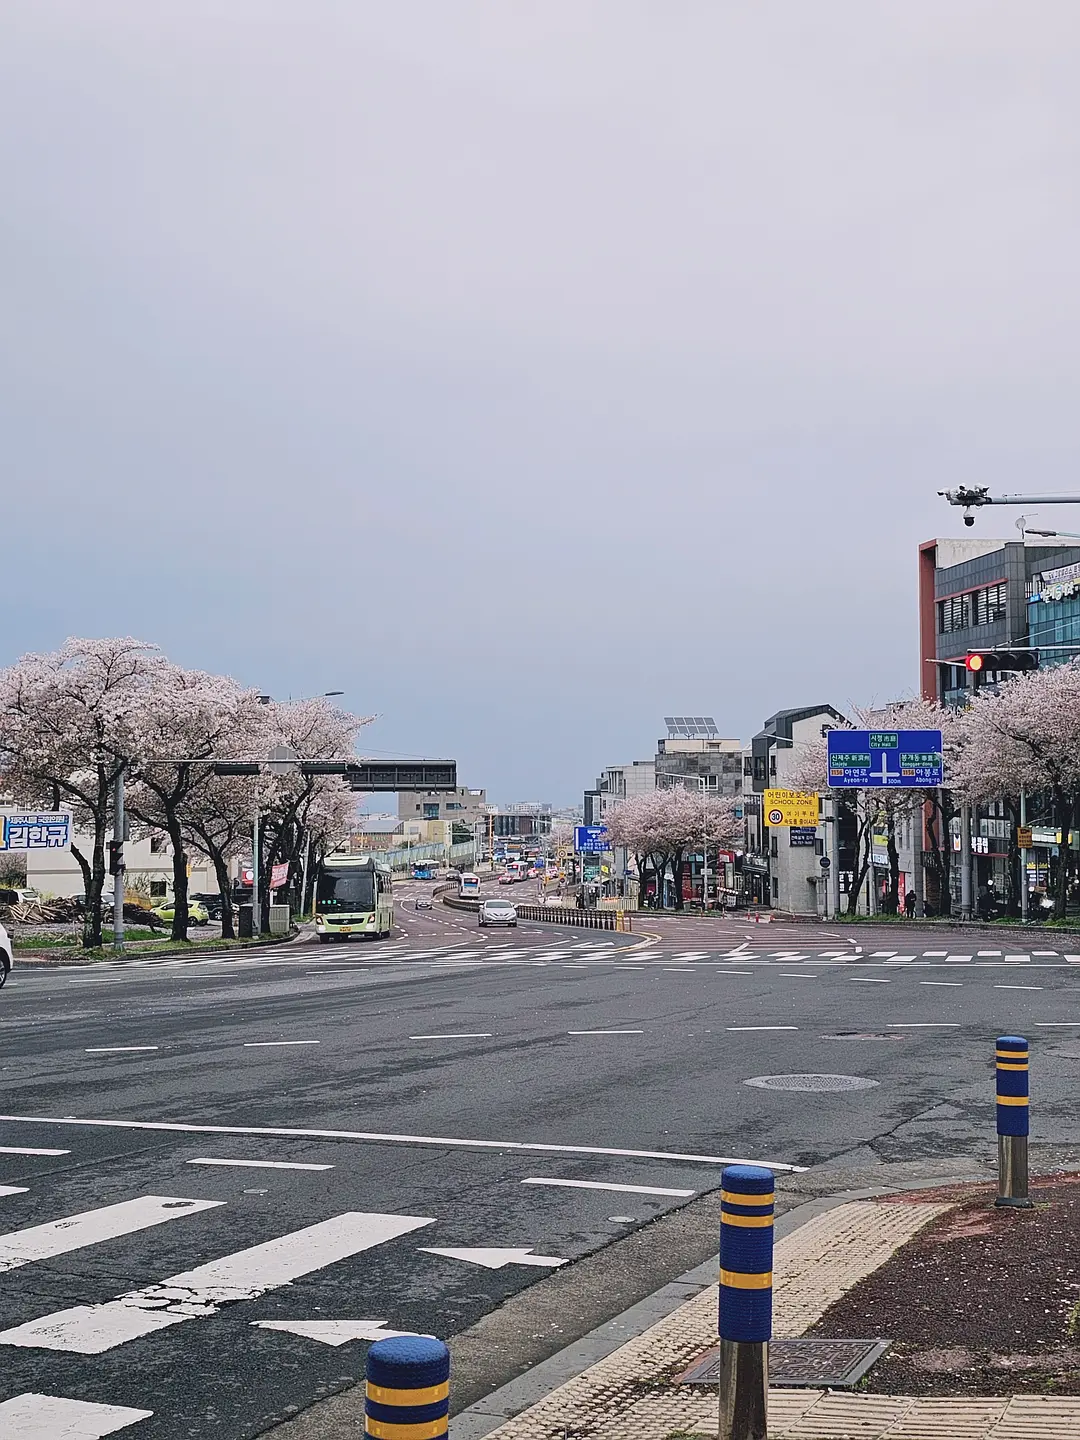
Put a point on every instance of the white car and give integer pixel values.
(497, 912)
(422, 902)
(6, 954)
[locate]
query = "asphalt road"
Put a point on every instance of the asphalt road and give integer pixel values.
(240, 1150)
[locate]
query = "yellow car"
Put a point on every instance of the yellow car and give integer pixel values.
(197, 912)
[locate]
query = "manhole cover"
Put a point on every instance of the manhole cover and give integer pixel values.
(802, 1362)
(814, 1084)
(864, 1035)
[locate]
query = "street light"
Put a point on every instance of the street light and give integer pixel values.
(703, 781)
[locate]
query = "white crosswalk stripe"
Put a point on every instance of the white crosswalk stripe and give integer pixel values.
(75, 1232)
(196, 1294)
(52, 1417)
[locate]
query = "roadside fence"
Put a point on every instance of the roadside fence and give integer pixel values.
(618, 920)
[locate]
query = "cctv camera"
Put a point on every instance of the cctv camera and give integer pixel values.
(969, 519)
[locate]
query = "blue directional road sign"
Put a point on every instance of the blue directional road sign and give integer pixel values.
(590, 839)
(878, 759)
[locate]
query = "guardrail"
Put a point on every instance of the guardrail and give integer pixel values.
(618, 920)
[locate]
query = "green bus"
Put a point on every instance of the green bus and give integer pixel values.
(353, 896)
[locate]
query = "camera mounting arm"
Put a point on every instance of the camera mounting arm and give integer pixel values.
(970, 497)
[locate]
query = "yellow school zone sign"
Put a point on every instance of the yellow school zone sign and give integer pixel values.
(791, 807)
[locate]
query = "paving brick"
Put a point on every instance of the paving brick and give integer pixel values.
(951, 1419)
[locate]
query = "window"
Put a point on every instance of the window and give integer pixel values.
(774, 847)
(158, 889)
(431, 811)
(977, 607)
(453, 805)
(159, 844)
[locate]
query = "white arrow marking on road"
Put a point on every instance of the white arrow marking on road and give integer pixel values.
(50, 1417)
(245, 1275)
(60, 1237)
(495, 1259)
(24, 1150)
(13, 1190)
(333, 1332)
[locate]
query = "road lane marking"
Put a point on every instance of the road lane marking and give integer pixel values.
(900, 960)
(950, 983)
(116, 1049)
(957, 959)
(175, 1127)
(1044, 953)
(1017, 959)
(24, 1150)
(496, 1257)
(786, 975)
(475, 1035)
(983, 953)
(868, 980)
(259, 1164)
(605, 1032)
(53, 1417)
(333, 1332)
(733, 972)
(13, 1190)
(1049, 1024)
(270, 1044)
(678, 970)
(91, 1227)
(1018, 987)
(733, 1028)
(924, 1024)
(194, 1294)
(603, 1185)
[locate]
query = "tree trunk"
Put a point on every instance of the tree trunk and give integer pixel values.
(677, 874)
(221, 871)
(1063, 810)
(92, 909)
(864, 841)
(180, 877)
(892, 905)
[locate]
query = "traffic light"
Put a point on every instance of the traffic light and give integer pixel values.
(1001, 660)
(116, 857)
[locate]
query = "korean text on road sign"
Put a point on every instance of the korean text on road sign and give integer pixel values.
(791, 807)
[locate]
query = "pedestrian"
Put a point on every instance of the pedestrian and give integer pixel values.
(909, 904)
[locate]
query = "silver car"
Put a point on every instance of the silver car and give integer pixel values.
(497, 912)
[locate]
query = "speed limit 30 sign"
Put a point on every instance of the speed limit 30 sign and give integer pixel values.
(791, 807)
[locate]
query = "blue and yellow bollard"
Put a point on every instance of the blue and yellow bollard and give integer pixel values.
(1012, 1122)
(747, 1204)
(408, 1389)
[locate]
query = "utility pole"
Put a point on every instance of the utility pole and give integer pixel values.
(1023, 858)
(117, 865)
(256, 918)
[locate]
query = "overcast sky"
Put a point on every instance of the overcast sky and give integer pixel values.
(528, 369)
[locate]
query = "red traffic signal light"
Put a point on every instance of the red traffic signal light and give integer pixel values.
(974, 662)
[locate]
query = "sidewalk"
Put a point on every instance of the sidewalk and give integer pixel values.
(634, 1393)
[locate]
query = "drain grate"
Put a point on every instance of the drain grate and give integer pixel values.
(802, 1362)
(811, 1084)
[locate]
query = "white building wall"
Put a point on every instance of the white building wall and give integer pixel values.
(57, 872)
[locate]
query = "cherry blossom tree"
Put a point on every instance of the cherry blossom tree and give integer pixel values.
(293, 804)
(69, 725)
(185, 720)
(659, 827)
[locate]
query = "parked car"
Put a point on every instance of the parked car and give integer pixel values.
(6, 954)
(210, 903)
(196, 912)
(422, 902)
(497, 912)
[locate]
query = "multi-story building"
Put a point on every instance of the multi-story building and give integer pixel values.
(461, 806)
(991, 595)
(781, 866)
(1019, 601)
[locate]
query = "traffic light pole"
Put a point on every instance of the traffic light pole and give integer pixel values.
(118, 860)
